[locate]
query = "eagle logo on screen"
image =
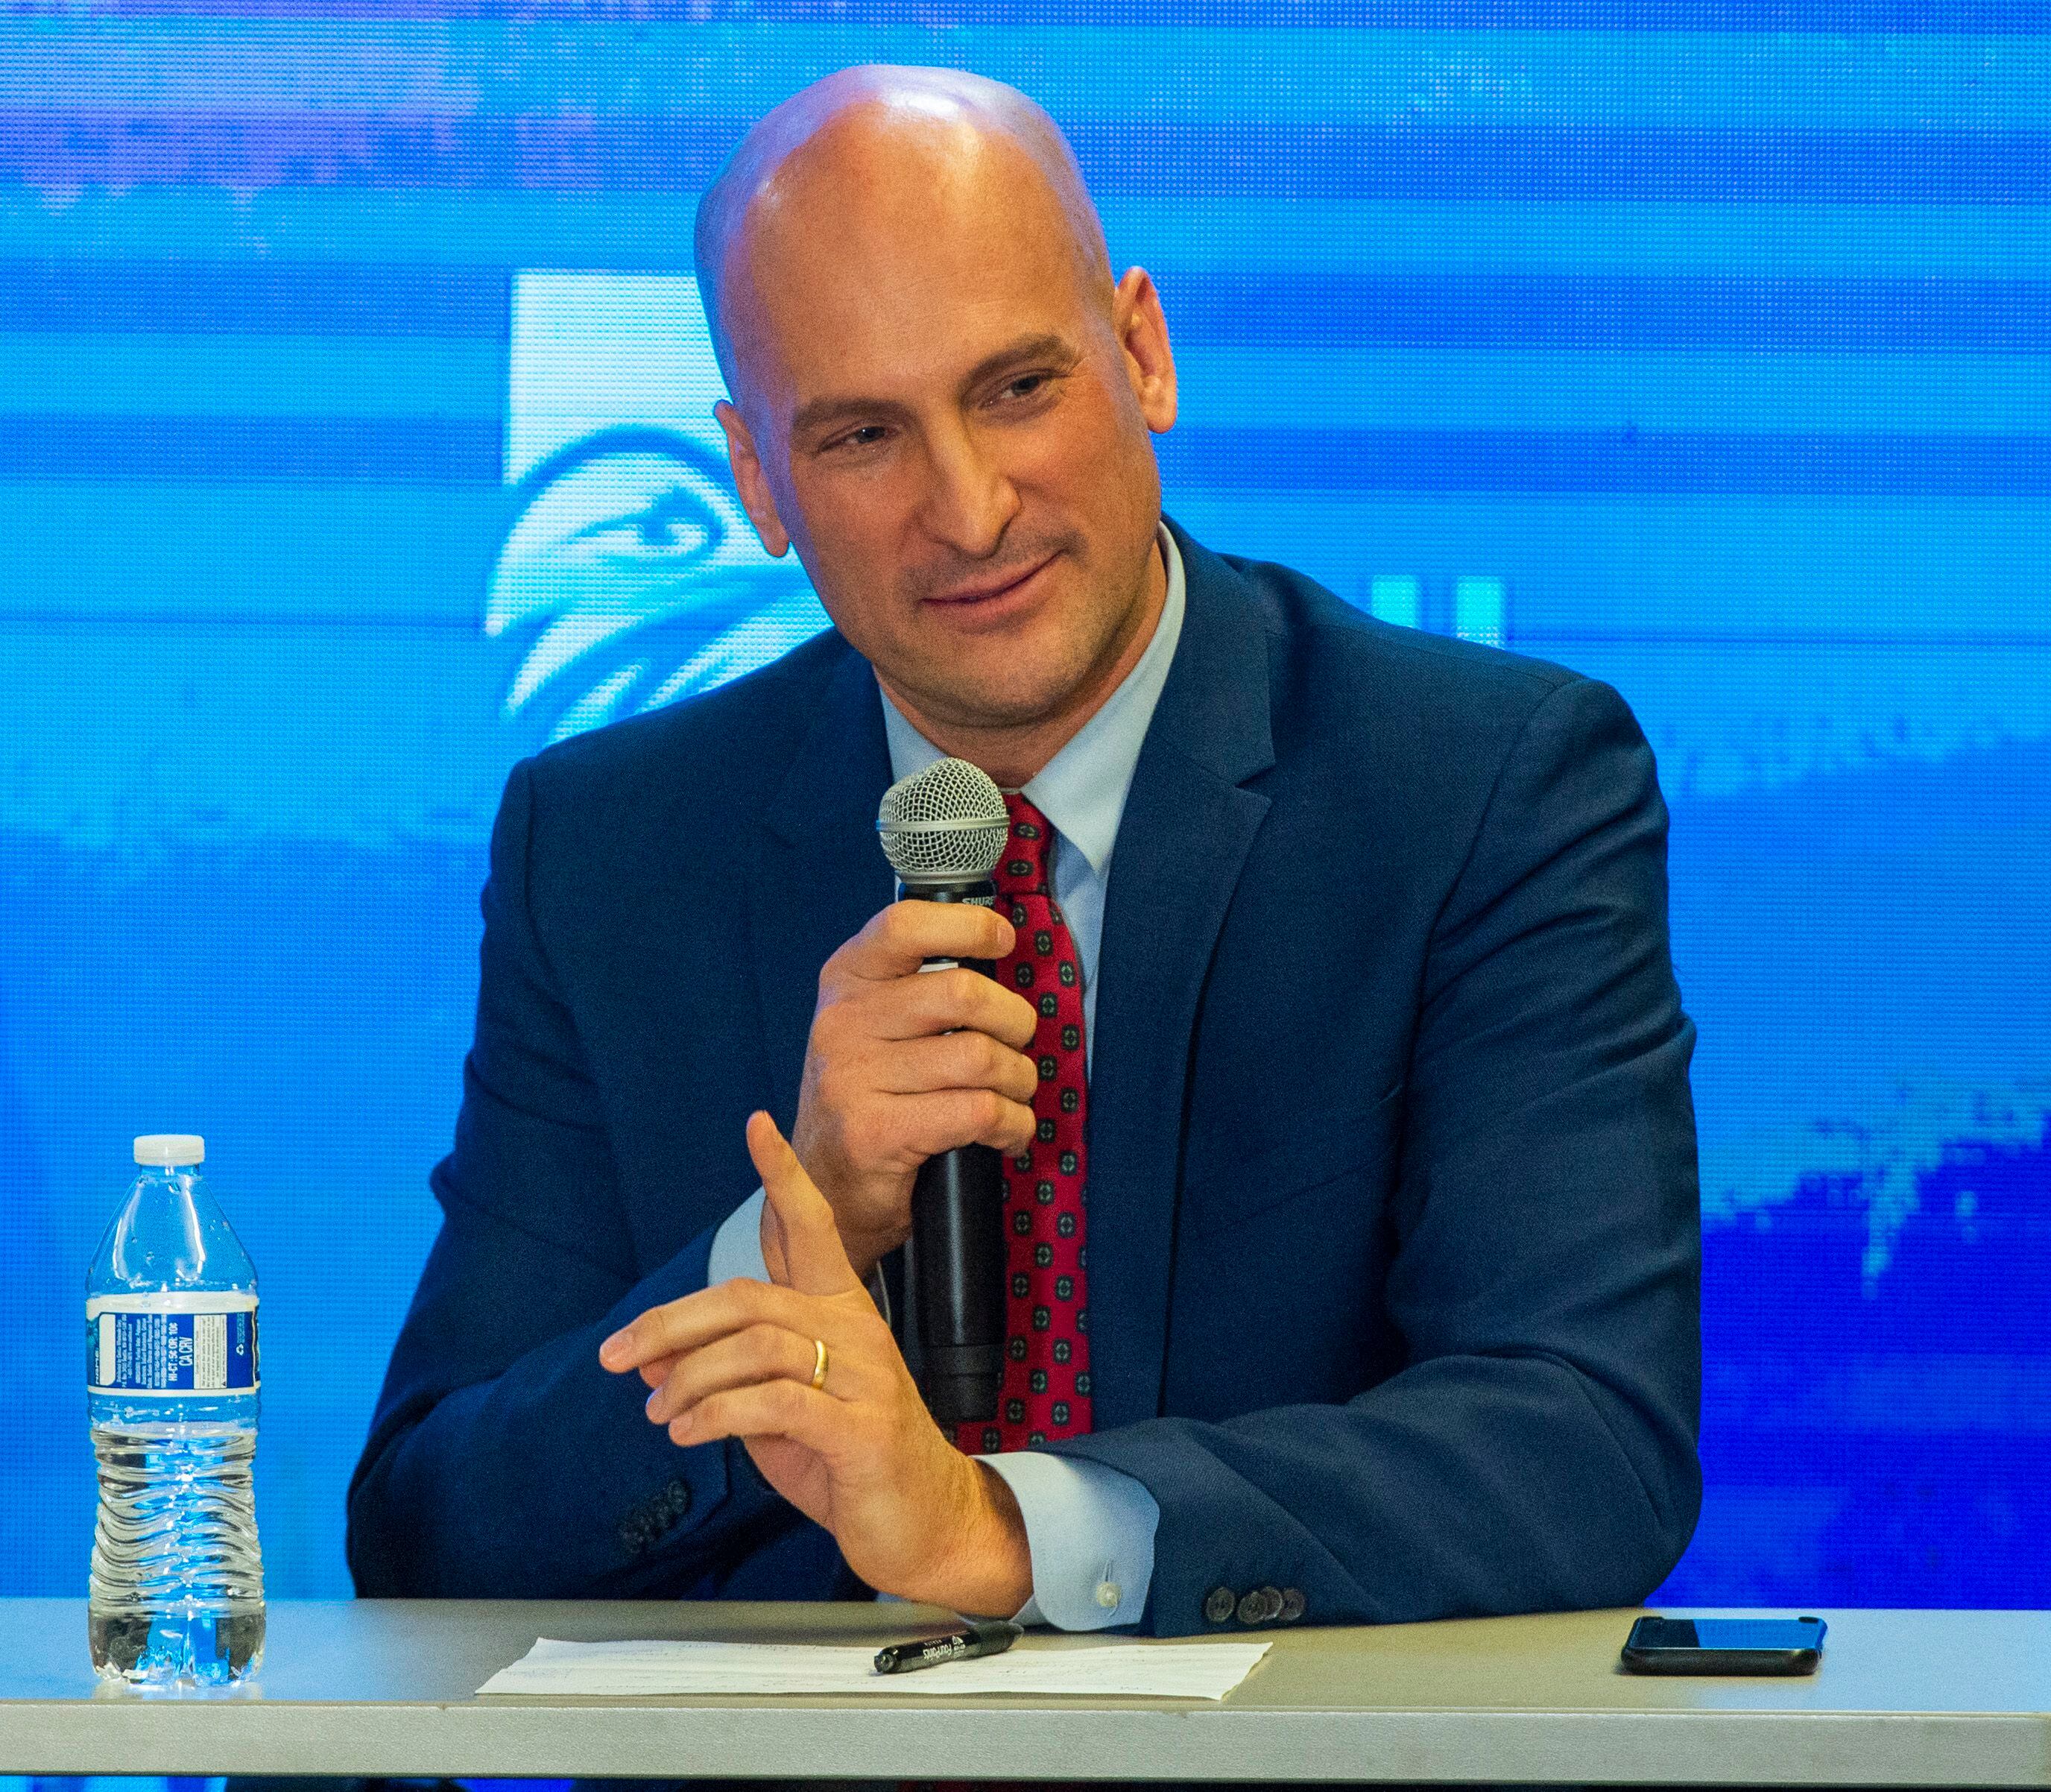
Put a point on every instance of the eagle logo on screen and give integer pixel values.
(631, 578)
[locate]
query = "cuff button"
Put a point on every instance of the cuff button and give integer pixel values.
(1108, 1593)
(1218, 1605)
(1292, 1604)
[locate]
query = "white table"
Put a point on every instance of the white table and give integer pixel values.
(1903, 1698)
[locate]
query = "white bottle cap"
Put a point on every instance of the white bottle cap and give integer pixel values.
(170, 1151)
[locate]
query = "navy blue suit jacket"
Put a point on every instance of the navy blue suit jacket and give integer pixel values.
(1394, 1242)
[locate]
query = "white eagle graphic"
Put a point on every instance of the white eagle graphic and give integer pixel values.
(640, 579)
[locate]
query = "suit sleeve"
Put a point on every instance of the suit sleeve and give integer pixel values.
(1537, 1450)
(503, 1461)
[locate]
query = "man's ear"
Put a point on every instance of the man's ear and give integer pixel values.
(750, 481)
(1142, 334)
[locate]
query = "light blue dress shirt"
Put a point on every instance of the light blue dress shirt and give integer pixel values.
(1090, 1528)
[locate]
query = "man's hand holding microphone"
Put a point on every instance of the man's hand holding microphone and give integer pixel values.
(903, 1064)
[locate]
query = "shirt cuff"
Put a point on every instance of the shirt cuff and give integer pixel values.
(736, 1246)
(1089, 1529)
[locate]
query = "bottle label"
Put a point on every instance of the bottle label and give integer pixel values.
(171, 1344)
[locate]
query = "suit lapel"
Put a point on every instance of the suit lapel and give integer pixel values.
(819, 872)
(1182, 840)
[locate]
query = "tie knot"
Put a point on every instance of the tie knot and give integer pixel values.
(1023, 870)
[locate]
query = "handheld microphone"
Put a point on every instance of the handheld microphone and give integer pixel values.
(944, 831)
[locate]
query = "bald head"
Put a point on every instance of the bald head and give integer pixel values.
(942, 399)
(877, 137)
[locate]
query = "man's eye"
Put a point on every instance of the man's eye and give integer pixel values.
(1033, 382)
(854, 438)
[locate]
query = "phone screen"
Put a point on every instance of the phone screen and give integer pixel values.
(1728, 1633)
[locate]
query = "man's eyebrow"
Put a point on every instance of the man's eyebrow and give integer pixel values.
(815, 413)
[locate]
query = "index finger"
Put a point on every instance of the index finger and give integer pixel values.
(900, 938)
(815, 1259)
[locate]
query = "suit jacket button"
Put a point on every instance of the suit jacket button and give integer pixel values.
(1253, 1608)
(1218, 1605)
(1292, 1604)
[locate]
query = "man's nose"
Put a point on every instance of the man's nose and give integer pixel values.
(971, 499)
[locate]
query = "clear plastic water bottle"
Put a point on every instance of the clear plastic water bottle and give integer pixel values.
(177, 1587)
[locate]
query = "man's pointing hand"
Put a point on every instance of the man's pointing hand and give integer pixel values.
(859, 1453)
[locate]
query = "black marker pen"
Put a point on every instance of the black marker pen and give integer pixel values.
(992, 1638)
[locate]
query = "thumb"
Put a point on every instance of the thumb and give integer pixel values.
(814, 1261)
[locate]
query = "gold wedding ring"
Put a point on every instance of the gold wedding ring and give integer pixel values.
(819, 1364)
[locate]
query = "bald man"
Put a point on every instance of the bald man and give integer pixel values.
(1351, 1198)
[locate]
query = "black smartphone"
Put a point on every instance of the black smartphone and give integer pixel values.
(1725, 1645)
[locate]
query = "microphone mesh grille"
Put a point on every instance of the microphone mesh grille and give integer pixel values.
(946, 821)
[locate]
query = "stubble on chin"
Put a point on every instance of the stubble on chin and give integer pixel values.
(957, 696)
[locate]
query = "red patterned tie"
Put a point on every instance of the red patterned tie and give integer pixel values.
(1046, 1391)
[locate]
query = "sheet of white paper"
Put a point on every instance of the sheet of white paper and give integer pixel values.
(1145, 1670)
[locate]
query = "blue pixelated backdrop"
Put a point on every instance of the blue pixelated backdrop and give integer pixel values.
(355, 438)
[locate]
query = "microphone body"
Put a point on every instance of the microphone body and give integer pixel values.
(944, 831)
(958, 1246)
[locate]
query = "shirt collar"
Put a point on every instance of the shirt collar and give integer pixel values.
(1082, 789)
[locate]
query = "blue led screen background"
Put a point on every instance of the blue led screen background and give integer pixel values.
(355, 440)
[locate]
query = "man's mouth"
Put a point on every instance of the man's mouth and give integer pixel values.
(987, 594)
